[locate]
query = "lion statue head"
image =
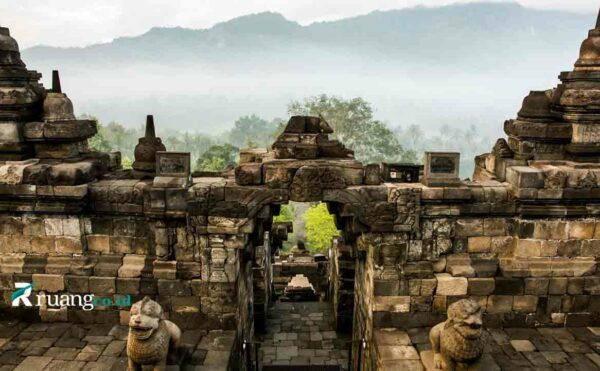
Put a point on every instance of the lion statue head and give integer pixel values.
(465, 317)
(145, 317)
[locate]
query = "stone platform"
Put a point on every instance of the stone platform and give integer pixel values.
(69, 347)
(302, 334)
(575, 348)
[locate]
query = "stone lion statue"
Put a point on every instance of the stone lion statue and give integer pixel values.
(456, 343)
(151, 337)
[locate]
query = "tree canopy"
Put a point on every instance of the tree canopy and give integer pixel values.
(217, 157)
(320, 228)
(252, 131)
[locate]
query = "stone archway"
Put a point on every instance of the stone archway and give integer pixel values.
(304, 165)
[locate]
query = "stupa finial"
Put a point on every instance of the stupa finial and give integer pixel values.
(56, 82)
(150, 133)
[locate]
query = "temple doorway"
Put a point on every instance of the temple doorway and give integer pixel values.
(299, 328)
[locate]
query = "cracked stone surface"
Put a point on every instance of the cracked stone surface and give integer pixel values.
(301, 334)
(575, 348)
(72, 347)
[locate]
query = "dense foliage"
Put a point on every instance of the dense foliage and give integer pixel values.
(218, 157)
(320, 228)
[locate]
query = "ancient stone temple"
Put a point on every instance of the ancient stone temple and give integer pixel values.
(509, 257)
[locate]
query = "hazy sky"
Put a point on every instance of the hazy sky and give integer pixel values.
(79, 23)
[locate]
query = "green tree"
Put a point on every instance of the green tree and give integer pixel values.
(126, 163)
(320, 228)
(121, 138)
(99, 141)
(285, 214)
(251, 131)
(217, 157)
(353, 124)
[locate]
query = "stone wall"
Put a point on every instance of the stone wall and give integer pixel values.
(523, 272)
(342, 269)
(362, 331)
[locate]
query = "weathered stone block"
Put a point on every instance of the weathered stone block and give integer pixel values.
(451, 286)
(185, 304)
(248, 174)
(581, 229)
(420, 303)
(549, 248)
(428, 286)
(174, 287)
(77, 284)
(528, 247)
(525, 177)
(98, 243)
(479, 244)
(499, 303)
(11, 225)
(34, 226)
(536, 286)
(121, 244)
(19, 243)
(583, 266)
(557, 286)
(525, 303)
(42, 245)
(414, 287)
(108, 265)
(128, 286)
(386, 287)
(592, 285)
(481, 286)
(432, 193)
(468, 227)
(133, 265)
(394, 304)
(591, 248)
(102, 285)
(49, 282)
(60, 264)
(495, 226)
(550, 229)
(68, 245)
(503, 246)
(148, 286)
(53, 227)
(372, 174)
(575, 285)
(509, 286)
(71, 227)
(165, 269)
(34, 263)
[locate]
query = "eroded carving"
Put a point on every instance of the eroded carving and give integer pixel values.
(555, 179)
(151, 337)
(456, 343)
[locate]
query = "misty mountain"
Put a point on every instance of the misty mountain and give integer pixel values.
(458, 65)
(479, 35)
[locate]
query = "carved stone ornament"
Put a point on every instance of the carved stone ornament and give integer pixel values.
(456, 343)
(555, 179)
(151, 337)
